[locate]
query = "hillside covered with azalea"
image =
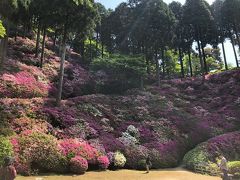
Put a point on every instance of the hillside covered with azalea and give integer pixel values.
(87, 88)
(112, 131)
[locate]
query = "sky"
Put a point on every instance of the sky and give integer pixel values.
(229, 50)
(113, 3)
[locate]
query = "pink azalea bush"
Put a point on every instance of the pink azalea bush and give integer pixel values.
(103, 162)
(22, 85)
(78, 165)
(72, 147)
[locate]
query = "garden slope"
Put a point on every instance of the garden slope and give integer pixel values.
(164, 122)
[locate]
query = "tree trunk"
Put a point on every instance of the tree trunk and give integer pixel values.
(234, 50)
(38, 39)
(237, 36)
(43, 47)
(235, 53)
(141, 83)
(54, 40)
(204, 60)
(181, 61)
(91, 56)
(1, 53)
(190, 62)
(200, 56)
(102, 50)
(15, 34)
(82, 49)
(157, 70)
(97, 42)
(4, 45)
(147, 60)
(224, 56)
(163, 62)
(24, 30)
(101, 40)
(148, 64)
(61, 73)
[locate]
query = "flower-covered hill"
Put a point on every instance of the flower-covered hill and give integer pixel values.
(106, 130)
(22, 77)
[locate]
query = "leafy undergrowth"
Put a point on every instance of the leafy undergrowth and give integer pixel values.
(204, 157)
(97, 131)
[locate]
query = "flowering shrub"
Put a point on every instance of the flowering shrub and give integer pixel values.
(38, 149)
(72, 147)
(162, 122)
(167, 154)
(130, 137)
(60, 116)
(195, 158)
(24, 123)
(119, 160)
(22, 85)
(227, 144)
(134, 155)
(103, 162)
(110, 156)
(6, 148)
(127, 139)
(76, 79)
(78, 165)
(133, 131)
(111, 144)
(207, 152)
(234, 168)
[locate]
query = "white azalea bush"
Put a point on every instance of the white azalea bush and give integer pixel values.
(119, 159)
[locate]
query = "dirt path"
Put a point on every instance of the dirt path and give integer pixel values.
(169, 174)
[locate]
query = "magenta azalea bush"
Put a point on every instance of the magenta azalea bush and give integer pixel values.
(227, 145)
(72, 147)
(110, 156)
(103, 162)
(78, 165)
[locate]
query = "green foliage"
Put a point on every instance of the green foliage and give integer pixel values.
(231, 12)
(7, 7)
(121, 72)
(127, 65)
(2, 30)
(171, 62)
(41, 150)
(196, 157)
(212, 64)
(93, 50)
(5, 148)
(234, 168)
(141, 164)
(196, 67)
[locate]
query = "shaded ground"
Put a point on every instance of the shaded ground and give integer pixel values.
(169, 174)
